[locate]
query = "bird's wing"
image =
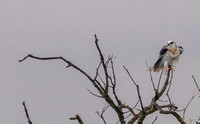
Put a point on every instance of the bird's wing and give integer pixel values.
(163, 51)
(180, 49)
(159, 63)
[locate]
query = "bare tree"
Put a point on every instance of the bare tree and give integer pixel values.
(105, 83)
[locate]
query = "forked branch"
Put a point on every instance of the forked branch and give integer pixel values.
(103, 63)
(103, 91)
(138, 89)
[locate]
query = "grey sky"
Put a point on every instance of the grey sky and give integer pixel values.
(133, 30)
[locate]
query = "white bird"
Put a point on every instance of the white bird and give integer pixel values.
(169, 56)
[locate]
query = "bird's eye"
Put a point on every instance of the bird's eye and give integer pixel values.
(171, 42)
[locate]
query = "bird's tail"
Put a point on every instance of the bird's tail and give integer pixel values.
(157, 66)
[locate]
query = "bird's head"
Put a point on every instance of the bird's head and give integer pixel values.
(171, 45)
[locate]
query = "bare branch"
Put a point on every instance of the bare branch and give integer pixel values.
(129, 108)
(96, 83)
(26, 111)
(101, 79)
(184, 110)
(155, 120)
(114, 83)
(150, 70)
(78, 118)
(94, 94)
(175, 114)
(113, 72)
(132, 109)
(69, 64)
(156, 97)
(138, 89)
(170, 83)
(193, 96)
(103, 63)
(97, 71)
(97, 75)
(102, 113)
(196, 83)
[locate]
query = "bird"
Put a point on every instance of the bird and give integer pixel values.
(168, 57)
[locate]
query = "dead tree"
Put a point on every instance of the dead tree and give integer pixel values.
(106, 87)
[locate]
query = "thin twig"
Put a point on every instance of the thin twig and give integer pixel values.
(78, 118)
(175, 114)
(163, 88)
(102, 113)
(155, 120)
(170, 83)
(97, 71)
(94, 94)
(150, 70)
(138, 89)
(113, 72)
(103, 63)
(114, 83)
(129, 108)
(26, 111)
(196, 83)
(69, 64)
(184, 110)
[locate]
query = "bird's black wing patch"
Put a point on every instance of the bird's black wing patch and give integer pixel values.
(163, 51)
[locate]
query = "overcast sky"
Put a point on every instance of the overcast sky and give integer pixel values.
(133, 30)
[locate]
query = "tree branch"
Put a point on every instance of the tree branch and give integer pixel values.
(155, 120)
(95, 82)
(102, 113)
(150, 70)
(129, 109)
(78, 118)
(196, 83)
(138, 89)
(69, 64)
(159, 94)
(26, 111)
(103, 63)
(114, 83)
(175, 114)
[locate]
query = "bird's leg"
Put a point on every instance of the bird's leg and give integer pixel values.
(169, 68)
